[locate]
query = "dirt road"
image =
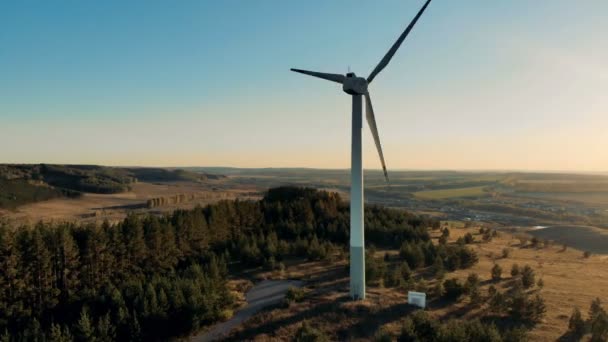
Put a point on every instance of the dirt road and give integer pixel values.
(263, 294)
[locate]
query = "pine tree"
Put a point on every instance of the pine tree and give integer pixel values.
(84, 327)
(67, 260)
(105, 331)
(599, 328)
(39, 262)
(135, 245)
(59, 334)
(576, 325)
(595, 309)
(11, 283)
(527, 277)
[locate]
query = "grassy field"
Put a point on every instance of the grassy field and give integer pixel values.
(474, 191)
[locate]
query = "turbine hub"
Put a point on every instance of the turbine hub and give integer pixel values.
(354, 85)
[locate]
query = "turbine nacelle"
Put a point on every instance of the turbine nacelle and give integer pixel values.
(354, 85)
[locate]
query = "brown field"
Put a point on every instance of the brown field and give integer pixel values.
(113, 207)
(569, 280)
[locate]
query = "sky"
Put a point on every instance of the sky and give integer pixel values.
(509, 84)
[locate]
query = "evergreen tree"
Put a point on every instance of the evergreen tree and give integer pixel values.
(527, 277)
(496, 272)
(84, 330)
(576, 325)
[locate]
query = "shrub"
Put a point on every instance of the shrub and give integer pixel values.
(375, 269)
(540, 283)
(295, 294)
(438, 269)
(535, 242)
(438, 290)
(487, 236)
(492, 290)
(408, 331)
(498, 303)
(523, 239)
(586, 254)
(472, 282)
(394, 278)
(225, 314)
(406, 272)
(453, 289)
(506, 252)
(496, 272)
(307, 333)
(426, 328)
(514, 270)
(518, 334)
(445, 233)
(382, 336)
(477, 331)
(468, 238)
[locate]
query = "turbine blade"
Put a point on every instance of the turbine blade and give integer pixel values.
(330, 77)
(387, 58)
(371, 121)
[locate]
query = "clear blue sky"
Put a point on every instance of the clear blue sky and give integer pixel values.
(512, 84)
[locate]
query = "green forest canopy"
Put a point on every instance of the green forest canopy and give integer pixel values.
(153, 277)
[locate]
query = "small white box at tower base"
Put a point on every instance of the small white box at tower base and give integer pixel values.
(416, 298)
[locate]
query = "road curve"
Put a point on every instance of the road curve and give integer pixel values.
(261, 295)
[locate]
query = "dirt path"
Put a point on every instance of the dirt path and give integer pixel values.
(263, 294)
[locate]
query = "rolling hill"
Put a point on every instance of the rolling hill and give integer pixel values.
(27, 183)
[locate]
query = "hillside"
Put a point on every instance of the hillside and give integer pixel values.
(22, 184)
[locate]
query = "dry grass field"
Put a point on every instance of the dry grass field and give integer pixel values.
(570, 280)
(114, 207)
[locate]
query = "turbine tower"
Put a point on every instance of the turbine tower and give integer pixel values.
(358, 87)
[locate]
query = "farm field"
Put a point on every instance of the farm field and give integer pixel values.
(475, 191)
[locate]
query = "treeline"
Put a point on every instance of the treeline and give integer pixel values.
(17, 192)
(169, 200)
(154, 277)
(421, 327)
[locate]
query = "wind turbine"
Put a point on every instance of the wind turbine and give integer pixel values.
(357, 87)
